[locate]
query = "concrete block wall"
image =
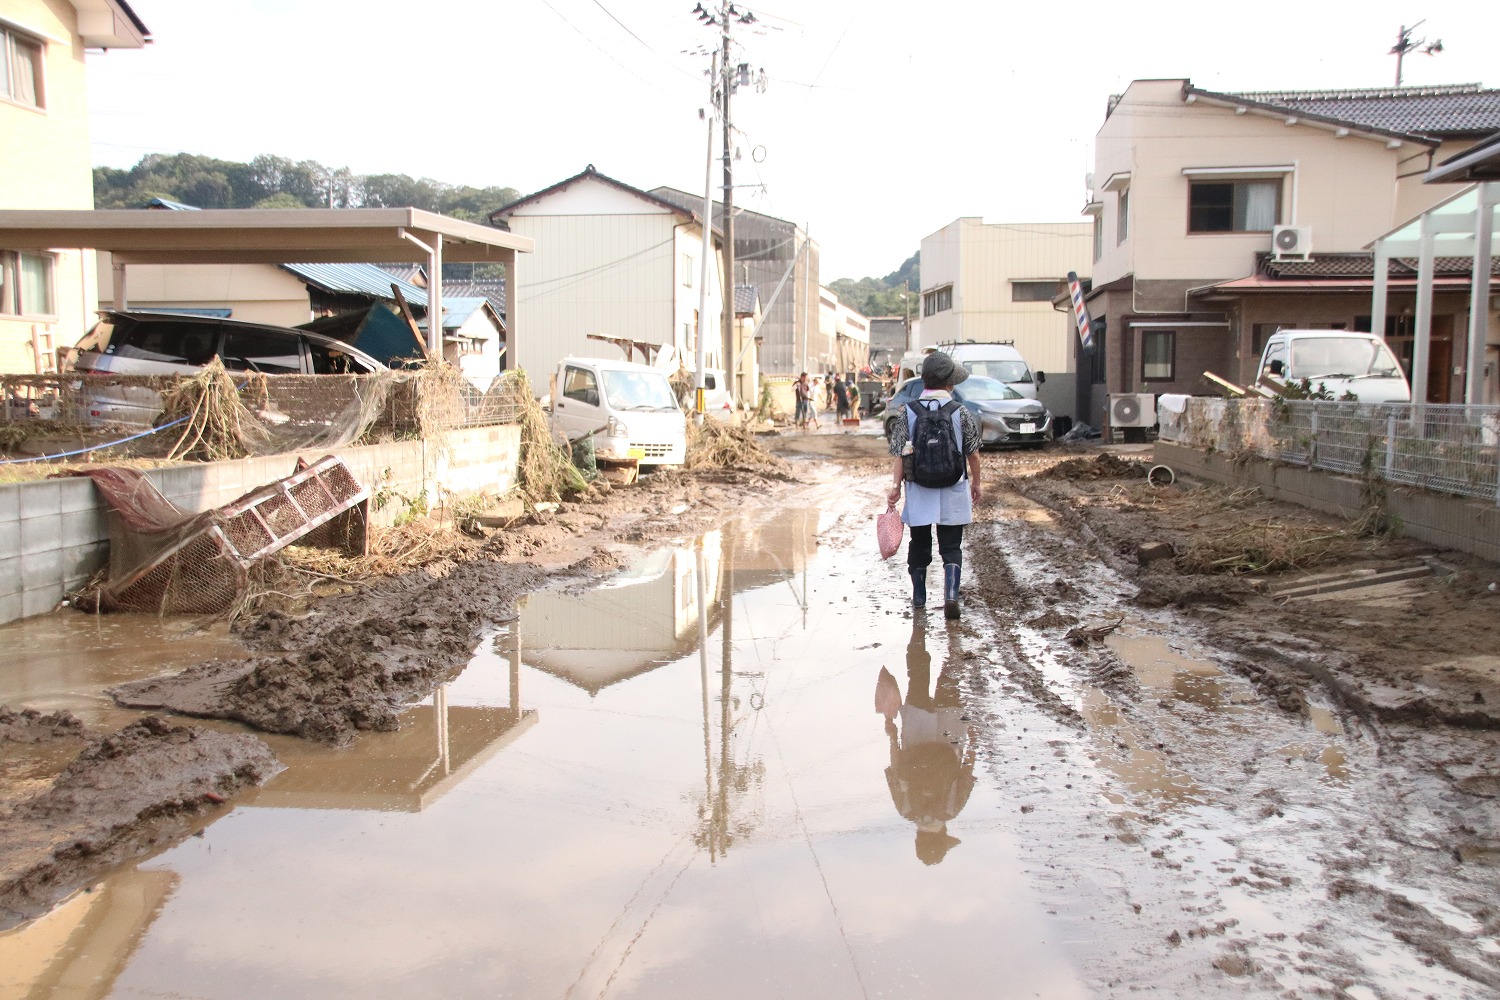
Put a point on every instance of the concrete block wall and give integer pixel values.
(54, 533)
(1451, 522)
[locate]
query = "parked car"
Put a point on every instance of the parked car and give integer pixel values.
(1005, 416)
(141, 343)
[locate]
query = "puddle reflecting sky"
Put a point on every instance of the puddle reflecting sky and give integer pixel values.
(676, 785)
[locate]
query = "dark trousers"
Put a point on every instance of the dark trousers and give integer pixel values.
(950, 545)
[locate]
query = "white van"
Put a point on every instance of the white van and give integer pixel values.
(629, 408)
(1343, 363)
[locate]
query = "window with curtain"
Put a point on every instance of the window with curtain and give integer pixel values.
(25, 284)
(1158, 355)
(20, 69)
(1233, 206)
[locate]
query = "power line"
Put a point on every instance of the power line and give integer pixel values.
(601, 48)
(638, 38)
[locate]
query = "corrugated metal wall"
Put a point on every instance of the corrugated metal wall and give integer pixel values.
(610, 274)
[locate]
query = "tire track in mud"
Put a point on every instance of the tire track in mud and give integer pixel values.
(1274, 836)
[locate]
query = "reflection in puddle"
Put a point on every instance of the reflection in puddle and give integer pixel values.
(671, 786)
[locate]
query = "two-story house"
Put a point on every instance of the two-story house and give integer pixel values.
(619, 261)
(47, 299)
(995, 282)
(1190, 187)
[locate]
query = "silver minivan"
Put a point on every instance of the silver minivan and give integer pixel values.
(142, 343)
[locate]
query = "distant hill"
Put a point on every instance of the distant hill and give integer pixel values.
(883, 296)
(278, 182)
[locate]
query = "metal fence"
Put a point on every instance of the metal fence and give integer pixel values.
(1449, 448)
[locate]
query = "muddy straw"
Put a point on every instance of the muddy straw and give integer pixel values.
(715, 444)
(219, 426)
(1265, 545)
(546, 469)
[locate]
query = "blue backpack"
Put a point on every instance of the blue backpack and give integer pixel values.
(937, 461)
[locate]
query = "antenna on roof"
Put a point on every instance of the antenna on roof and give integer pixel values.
(1405, 44)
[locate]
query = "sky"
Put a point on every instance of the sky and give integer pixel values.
(881, 122)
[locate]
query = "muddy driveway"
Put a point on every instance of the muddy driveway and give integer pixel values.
(729, 762)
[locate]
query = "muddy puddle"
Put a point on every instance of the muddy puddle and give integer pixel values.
(676, 784)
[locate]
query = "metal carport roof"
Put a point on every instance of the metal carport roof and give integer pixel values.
(269, 236)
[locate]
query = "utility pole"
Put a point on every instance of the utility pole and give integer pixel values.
(1405, 44)
(730, 77)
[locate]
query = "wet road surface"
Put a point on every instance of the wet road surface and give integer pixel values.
(696, 781)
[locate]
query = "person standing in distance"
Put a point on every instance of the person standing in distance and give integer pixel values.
(935, 451)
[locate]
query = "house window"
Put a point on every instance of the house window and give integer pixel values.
(687, 270)
(1122, 221)
(21, 69)
(1036, 291)
(1158, 355)
(1233, 206)
(937, 300)
(1098, 238)
(25, 284)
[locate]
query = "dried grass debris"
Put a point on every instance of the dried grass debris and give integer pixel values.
(219, 425)
(1265, 545)
(715, 444)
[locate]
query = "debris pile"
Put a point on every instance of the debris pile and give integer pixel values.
(1265, 545)
(546, 469)
(219, 426)
(715, 444)
(1104, 466)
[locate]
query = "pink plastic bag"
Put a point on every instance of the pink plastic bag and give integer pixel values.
(888, 531)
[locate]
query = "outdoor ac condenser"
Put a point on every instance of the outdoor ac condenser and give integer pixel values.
(1291, 242)
(1132, 409)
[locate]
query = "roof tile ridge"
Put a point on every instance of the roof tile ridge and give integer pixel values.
(1363, 93)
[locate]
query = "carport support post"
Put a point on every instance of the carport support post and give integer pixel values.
(122, 299)
(1422, 335)
(435, 299)
(1479, 299)
(1381, 291)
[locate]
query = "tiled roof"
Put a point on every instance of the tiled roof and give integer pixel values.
(745, 300)
(1451, 111)
(504, 212)
(489, 289)
(1362, 265)
(406, 272)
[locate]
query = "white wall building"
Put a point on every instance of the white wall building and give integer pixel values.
(612, 259)
(992, 282)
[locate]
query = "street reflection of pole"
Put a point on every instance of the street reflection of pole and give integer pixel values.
(721, 809)
(515, 674)
(708, 761)
(440, 713)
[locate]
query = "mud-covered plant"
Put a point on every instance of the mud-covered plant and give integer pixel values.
(546, 468)
(216, 423)
(714, 444)
(1375, 517)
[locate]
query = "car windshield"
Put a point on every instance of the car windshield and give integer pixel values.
(1341, 357)
(978, 388)
(638, 391)
(1005, 371)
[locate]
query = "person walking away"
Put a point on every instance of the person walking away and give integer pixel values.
(936, 458)
(841, 396)
(803, 392)
(854, 398)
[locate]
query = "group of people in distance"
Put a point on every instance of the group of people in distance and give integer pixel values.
(838, 394)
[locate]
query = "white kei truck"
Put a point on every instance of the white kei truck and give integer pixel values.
(629, 409)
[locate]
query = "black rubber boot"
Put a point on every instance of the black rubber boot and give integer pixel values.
(951, 574)
(919, 588)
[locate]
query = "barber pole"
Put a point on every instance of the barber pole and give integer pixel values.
(1080, 311)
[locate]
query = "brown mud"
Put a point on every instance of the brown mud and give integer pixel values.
(126, 794)
(1421, 649)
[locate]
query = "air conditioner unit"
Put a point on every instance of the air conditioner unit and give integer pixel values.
(1132, 409)
(1291, 242)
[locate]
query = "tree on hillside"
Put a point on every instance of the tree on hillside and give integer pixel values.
(882, 296)
(269, 181)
